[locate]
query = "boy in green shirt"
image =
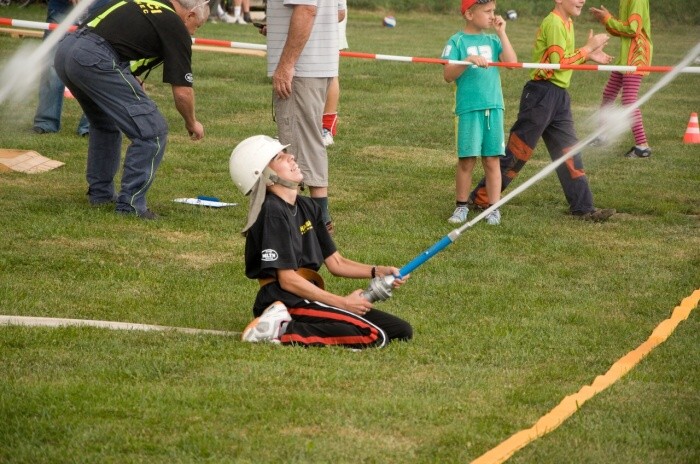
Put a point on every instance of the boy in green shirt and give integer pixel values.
(545, 111)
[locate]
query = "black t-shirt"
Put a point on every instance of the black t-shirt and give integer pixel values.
(285, 237)
(147, 30)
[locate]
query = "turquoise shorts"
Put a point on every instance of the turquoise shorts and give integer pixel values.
(480, 133)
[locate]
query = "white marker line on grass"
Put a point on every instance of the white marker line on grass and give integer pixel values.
(57, 322)
(570, 404)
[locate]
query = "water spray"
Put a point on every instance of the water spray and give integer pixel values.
(380, 288)
(20, 74)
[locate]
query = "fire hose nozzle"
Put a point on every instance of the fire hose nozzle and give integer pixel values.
(379, 288)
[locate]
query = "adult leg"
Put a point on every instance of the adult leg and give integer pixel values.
(104, 151)
(113, 99)
(104, 146)
(48, 112)
(238, 8)
(299, 125)
(83, 126)
(246, 11)
(330, 109)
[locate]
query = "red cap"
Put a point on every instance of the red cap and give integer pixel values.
(466, 4)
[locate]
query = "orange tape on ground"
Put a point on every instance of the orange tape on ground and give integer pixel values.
(572, 403)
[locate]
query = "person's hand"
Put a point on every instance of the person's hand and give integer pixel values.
(196, 131)
(381, 271)
(399, 282)
(597, 41)
(600, 57)
(499, 24)
(599, 13)
(282, 81)
(357, 304)
(478, 60)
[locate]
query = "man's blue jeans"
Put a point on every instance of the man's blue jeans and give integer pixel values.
(48, 111)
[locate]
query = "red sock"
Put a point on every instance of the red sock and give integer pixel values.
(330, 122)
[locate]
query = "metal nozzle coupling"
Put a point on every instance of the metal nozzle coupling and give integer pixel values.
(379, 288)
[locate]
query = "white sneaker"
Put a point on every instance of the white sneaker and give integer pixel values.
(459, 215)
(227, 18)
(494, 218)
(327, 138)
(239, 20)
(266, 328)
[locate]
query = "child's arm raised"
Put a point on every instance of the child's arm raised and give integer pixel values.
(508, 54)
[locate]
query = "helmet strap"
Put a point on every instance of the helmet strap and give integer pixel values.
(257, 194)
(272, 176)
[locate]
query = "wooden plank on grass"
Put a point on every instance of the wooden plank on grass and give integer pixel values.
(236, 51)
(27, 161)
(21, 33)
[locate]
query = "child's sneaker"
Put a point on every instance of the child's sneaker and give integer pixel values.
(266, 328)
(599, 141)
(327, 137)
(494, 218)
(636, 152)
(459, 215)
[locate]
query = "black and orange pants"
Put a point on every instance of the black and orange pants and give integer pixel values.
(545, 112)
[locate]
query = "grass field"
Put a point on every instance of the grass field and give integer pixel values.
(508, 320)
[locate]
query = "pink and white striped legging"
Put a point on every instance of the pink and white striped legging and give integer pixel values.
(629, 84)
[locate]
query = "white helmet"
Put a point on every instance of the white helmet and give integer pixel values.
(250, 158)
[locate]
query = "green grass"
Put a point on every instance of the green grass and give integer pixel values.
(508, 320)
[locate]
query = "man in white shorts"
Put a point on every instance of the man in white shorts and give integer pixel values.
(302, 60)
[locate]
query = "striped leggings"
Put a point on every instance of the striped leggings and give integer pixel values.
(629, 85)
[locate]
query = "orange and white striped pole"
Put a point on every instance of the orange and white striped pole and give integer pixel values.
(406, 59)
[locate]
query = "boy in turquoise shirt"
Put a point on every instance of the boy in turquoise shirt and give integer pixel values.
(478, 100)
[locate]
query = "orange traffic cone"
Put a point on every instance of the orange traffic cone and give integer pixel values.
(692, 133)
